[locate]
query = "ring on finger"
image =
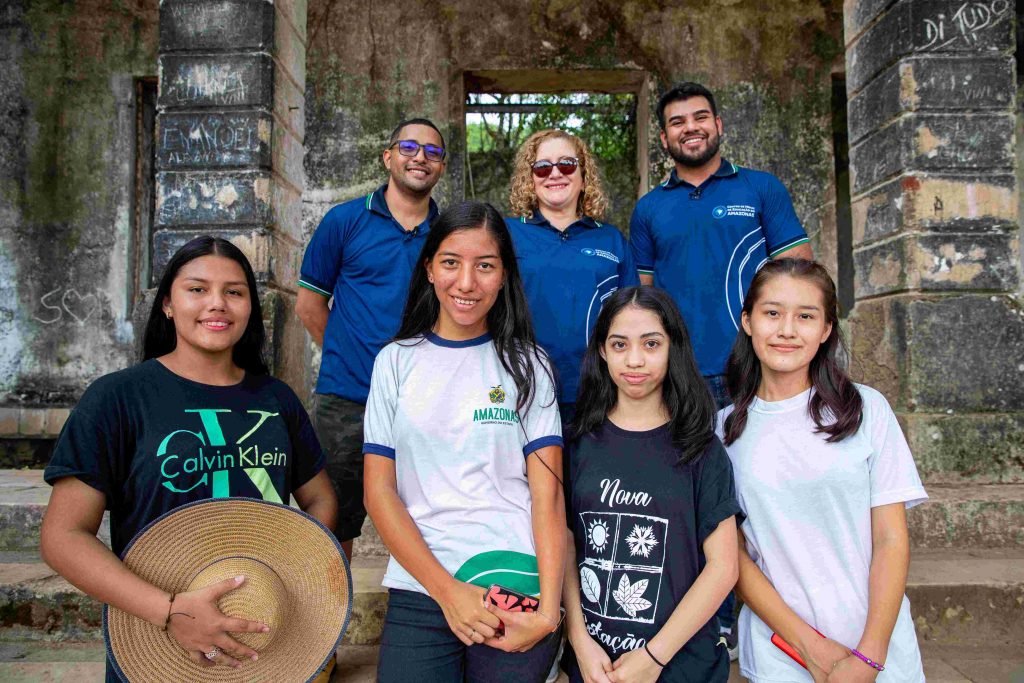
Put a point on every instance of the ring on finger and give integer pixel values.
(212, 654)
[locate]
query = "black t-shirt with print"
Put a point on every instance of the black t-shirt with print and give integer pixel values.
(639, 521)
(151, 441)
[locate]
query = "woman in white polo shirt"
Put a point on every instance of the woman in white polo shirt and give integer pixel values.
(462, 443)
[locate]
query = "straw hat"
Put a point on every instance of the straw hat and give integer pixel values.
(297, 583)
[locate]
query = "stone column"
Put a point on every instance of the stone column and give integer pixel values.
(938, 325)
(229, 145)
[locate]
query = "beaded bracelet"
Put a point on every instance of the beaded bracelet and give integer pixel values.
(867, 660)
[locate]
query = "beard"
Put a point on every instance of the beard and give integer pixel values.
(691, 160)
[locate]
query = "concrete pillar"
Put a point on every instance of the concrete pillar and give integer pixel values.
(230, 125)
(938, 325)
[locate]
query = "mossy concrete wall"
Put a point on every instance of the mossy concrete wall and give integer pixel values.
(372, 62)
(67, 141)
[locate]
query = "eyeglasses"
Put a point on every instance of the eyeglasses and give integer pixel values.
(566, 166)
(409, 148)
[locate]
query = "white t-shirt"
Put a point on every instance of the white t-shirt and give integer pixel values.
(446, 412)
(808, 527)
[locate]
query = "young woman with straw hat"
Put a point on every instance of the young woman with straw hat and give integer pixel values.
(199, 418)
(462, 443)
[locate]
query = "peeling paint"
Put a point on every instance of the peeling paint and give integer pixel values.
(928, 144)
(950, 265)
(884, 272)
(226, 196)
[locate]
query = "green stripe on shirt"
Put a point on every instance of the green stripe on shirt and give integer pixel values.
(313, 288)
(802, 240)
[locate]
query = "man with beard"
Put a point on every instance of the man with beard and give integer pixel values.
(362, 255)
(703, 233)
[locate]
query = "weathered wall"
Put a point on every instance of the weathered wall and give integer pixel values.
(372, 62)
(67, 140)
(938, 325)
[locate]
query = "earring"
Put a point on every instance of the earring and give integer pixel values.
(168, 314)
(430, 279)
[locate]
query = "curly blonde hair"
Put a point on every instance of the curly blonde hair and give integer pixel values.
(523, 200)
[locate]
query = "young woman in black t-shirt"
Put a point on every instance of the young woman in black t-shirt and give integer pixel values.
(200, 417)
(651, 504)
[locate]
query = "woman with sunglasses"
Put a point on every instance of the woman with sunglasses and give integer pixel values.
(570, 262)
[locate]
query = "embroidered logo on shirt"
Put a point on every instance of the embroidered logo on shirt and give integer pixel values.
(587, 251)
(497, 394)
(743, 210)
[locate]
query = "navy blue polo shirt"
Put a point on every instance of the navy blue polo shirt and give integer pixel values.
(567, 276)
(704, 245)
(364, 258)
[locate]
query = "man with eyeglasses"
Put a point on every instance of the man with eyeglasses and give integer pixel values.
(702, 235)
(362, 256)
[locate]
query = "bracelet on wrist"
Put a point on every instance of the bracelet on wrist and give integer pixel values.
(651, 655)
(867, 660)
(170, 606)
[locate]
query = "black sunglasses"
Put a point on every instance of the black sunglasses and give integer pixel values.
(566, 166)
(409, 148)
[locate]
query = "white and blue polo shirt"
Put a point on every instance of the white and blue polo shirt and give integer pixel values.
(704, 244)
(567, 276)
(445, 412)
(364, 258)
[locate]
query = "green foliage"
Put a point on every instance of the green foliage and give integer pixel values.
(607, 123)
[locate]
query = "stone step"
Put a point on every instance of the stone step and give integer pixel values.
(968, 596)
(955, 516)
(37, 604)
(969, 516)
(957, 597)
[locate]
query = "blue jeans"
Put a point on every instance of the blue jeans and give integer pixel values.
(417, 645)
(716, 385)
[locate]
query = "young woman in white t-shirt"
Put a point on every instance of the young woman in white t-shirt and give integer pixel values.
(462, 443)
(825, 476)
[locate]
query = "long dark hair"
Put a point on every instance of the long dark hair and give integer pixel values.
(686, 396)
(161, 338)
(835, 406)
(508, 321)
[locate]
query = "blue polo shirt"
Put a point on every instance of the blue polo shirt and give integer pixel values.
(567, 276)
(364, 258)
(704, 245)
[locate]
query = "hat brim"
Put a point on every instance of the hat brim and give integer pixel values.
(174, 548)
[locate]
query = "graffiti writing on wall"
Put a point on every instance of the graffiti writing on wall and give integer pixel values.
(964, 26)
(219, 83)
(69, 305)
(211, 139)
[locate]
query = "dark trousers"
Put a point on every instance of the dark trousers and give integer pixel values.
(339, 427)
(716, 384)
(418, 646)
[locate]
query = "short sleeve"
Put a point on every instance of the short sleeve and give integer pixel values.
(90, 445)
(542, 425)
(894, 476)
(782, 229)
(716, 491)
(641, 244)
(307, 457)
(628, 276)
(322, 260)
(379, 417)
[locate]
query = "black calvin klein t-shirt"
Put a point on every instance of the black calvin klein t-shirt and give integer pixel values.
(639, 521)
(151, 441)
